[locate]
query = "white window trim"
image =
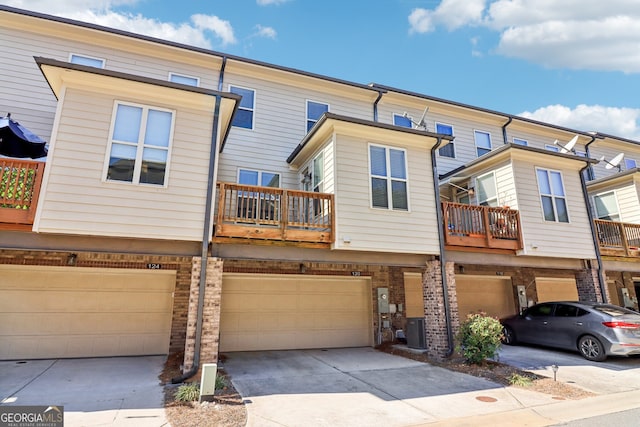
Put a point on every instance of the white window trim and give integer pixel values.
(320, 183)
(389, 179)
(475, 141)
(615, 195)
(186, 76)
(526, 143)
(253, 110)
(453, 132)
(139, 147)
(477, 189)
(94, 58)
(564, 190)
(260, 172)
(306, 115)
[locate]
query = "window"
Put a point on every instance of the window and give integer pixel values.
(185, 80)
(483, 142)
(519, 141)
(258, 205)
(318, 174)
(487, 190)
(581, 153)
(139, 146)
(86, 60)
(540, 310)
(630, 164)
(315, 110)
(553, 148)
(388, 170)
(552, 195)
(244, 115)
(449, 149)
(254, 177)
(401, 120)
(606, 205)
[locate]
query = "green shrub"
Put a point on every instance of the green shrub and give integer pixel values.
(520, 380)
(188, 392)
(479, 338)
(221, 382)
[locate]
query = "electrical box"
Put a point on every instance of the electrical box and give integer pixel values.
(522, 297)
(383, 300)
(208, 379)
(393, 308)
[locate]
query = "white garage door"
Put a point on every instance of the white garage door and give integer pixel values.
(55, 312)
(489, 294)
(278, 312)
(556, 289)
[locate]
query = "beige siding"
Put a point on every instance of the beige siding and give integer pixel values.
(77, 201)
(279, 121)
(554, 239)
(609, 151)
(383, 230)
(629, 204)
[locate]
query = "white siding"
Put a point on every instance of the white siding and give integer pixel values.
(77, 201)
(553, 239)
(379, 229)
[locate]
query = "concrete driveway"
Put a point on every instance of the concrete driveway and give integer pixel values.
(614, 375)
(119, 391)
(361, 387)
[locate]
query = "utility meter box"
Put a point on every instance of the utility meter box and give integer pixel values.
(383, 300)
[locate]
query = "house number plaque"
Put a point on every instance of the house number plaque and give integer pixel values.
(154, 266)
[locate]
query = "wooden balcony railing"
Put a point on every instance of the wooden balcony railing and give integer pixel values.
(481, 226)
(274, 214)
(20, 182)
(618, 238)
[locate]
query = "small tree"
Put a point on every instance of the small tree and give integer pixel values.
(479, 338)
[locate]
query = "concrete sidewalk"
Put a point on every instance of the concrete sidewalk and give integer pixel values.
(116, 391)
(365, 387)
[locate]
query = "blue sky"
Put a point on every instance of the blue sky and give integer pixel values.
(574, 63)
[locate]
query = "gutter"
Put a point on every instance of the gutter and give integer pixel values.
(221, 75)
(596, 244)
(205, 245)
(504, 130)
(375, 104)
(443, 267)
(586, 149)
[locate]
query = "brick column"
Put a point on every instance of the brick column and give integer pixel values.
(435, 318)
(210, 313)
(588, 285)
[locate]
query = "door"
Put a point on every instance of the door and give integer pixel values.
(489, 294)
(556, 289)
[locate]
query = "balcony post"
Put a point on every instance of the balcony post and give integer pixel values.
(623, 237)
(284, 213)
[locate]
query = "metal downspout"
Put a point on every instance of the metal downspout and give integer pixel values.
(205, 245)
(375, 105)
(443, 267)
(594, 236)
(221, 76)
(586, 149)
(504, 130)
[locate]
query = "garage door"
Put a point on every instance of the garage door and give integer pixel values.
(413, 295)
(489, 294)
(277, 312)
(556, 289)
(54, 312)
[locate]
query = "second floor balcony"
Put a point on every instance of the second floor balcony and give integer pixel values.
(471, 226)
(20, 182)
(618, 238)
(274, 215)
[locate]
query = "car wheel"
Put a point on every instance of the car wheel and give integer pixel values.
(508, 336)
(591, 348)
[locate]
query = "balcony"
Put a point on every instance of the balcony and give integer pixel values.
(481, 227)
(274, 215)
(20, 182)
(618, 238)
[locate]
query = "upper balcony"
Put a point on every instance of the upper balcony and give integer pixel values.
(274, 215)
(20, 182)
(618, 238)
(483, 227)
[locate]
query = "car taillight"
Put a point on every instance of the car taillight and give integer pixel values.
(622, 325)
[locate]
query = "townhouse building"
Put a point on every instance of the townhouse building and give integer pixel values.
(202, 202)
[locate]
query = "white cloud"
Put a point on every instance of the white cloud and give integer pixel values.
(575, 34)
(195, 33)
(452, 14)
(267, 32)
(623, 122)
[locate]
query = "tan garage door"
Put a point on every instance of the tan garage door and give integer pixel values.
(271, 312)
(53, 312)
(489, 294)
(413, 295)
(556, 289)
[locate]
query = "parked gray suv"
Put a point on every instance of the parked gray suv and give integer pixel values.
(595, 330)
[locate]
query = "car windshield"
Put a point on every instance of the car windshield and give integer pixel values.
(613, 310)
